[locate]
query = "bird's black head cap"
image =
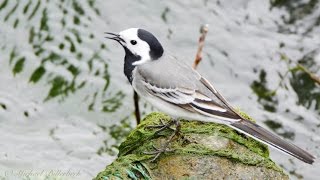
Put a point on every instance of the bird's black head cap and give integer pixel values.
(156, 49)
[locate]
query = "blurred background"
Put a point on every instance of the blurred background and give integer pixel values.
(65, 103)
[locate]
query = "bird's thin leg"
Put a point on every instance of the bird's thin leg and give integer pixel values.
(162, 126)
(164, 147)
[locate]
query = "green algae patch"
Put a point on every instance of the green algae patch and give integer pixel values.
(126, 167)
(195, 141)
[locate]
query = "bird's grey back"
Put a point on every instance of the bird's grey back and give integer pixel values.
(170, 72)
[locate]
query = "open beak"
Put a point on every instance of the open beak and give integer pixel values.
(115, 37)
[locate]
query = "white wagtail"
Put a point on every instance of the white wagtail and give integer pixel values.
(178, 90)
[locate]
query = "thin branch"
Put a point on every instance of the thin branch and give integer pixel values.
(203, 30)
(271, 93)
(313, 76)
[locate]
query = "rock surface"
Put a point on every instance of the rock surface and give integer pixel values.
(201, 151)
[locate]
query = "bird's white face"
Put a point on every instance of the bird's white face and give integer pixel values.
(136, 45)
(140, 46)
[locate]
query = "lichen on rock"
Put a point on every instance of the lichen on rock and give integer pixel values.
(201, 151)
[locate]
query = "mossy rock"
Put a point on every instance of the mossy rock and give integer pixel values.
(201, 151)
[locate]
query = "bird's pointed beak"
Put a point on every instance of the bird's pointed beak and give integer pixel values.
(115, 37)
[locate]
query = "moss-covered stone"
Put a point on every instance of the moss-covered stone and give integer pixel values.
(202, 150)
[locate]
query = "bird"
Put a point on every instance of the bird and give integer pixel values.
(178, 90)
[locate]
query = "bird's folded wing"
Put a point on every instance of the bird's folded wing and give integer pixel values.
(192, 100)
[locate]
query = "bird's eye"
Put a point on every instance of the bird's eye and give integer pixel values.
(133, 42)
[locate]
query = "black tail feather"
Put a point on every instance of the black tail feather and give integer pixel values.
(257, 132)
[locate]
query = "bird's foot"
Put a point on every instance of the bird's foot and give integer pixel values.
(162, 126)
(157, 152)
(165, 147)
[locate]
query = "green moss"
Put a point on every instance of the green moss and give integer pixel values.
(140, 135)
(125, 167)
(245, 115)
(142, 139)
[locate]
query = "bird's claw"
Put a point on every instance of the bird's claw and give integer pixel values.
(164, 148)
(158, 151)
(162, 126)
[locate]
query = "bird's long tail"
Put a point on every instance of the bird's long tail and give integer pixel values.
(257, 132)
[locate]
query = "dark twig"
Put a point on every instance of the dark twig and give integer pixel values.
(198, 58)
(136, 107)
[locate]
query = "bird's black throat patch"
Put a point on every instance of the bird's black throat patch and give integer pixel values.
(128, 60)
(156, 49)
